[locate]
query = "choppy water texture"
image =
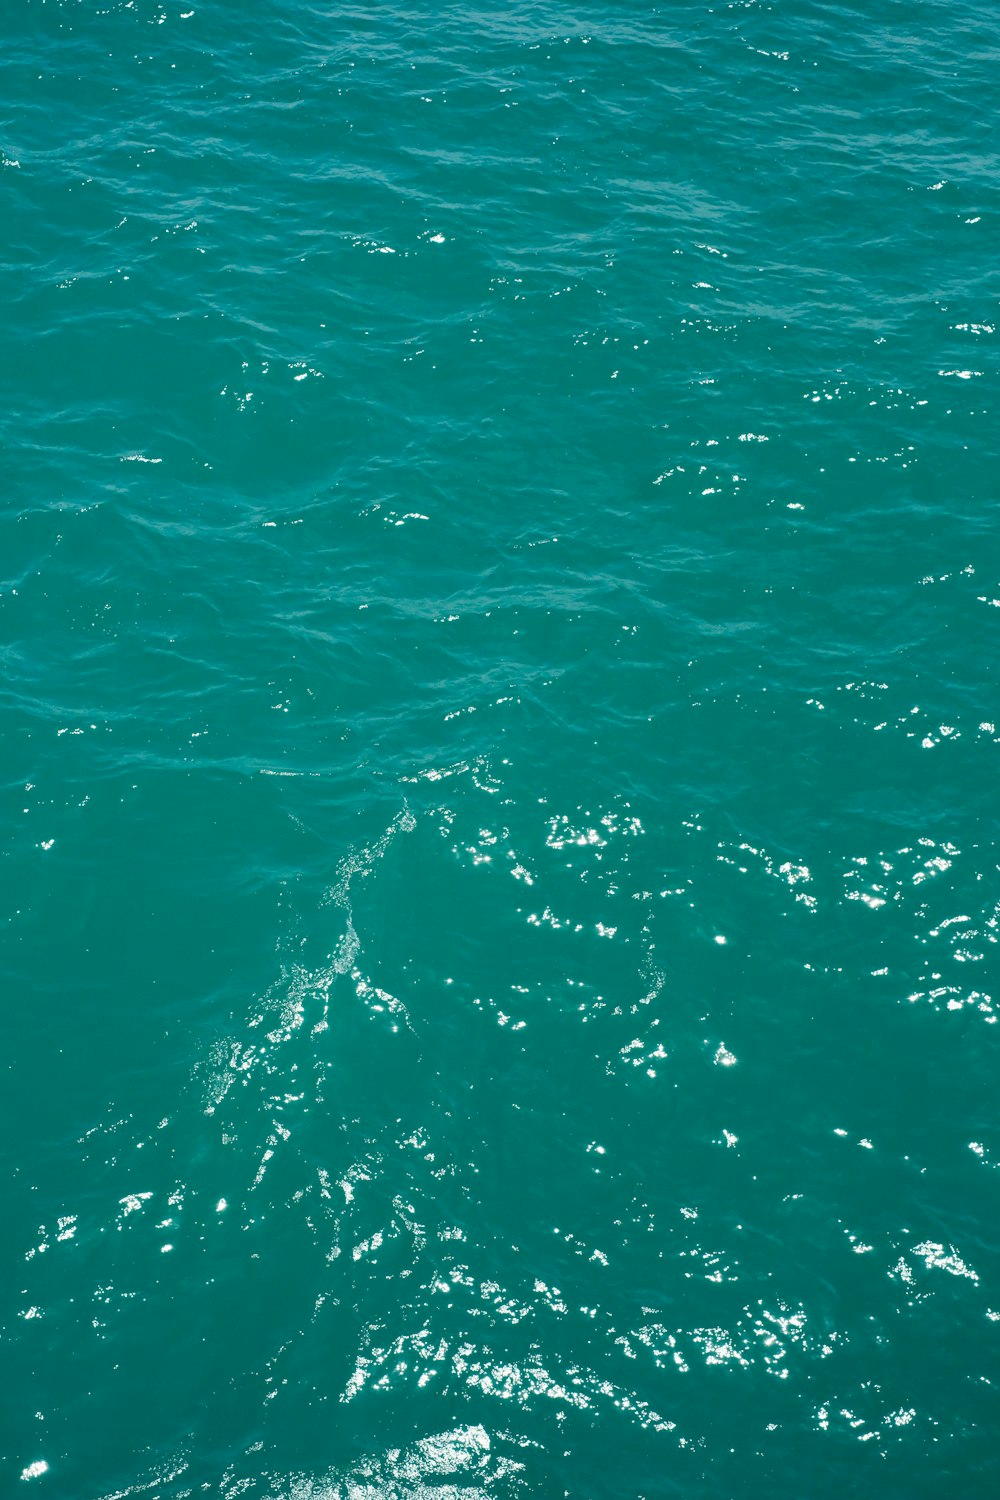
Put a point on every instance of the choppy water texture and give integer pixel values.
(499, 591)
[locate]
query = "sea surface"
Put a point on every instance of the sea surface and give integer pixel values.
(499, 721)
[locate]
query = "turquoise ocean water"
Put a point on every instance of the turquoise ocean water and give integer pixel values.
(499, 591)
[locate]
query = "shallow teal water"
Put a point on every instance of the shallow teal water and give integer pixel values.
(499, 592)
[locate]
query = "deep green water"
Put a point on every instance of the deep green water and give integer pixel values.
(499, 590)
